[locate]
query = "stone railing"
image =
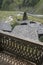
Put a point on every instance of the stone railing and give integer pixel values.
(24, 48)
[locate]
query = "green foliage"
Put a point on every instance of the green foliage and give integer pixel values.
(17, 4)
(30, 3)
(1, 1)
(41, 38)
(39, 8)
(14, 24)
(6, 3)
(33, 2)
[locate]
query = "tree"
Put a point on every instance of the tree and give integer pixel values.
(34, 2)
(6, 4)
(17, 4)
(1, 1)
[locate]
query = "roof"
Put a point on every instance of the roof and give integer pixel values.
(5, 26)
(29, 30)
(31, 23)
(25, 31)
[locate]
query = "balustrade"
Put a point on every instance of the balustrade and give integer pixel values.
(28, 50)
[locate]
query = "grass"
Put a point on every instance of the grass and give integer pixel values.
(35, 19)
(5, 14)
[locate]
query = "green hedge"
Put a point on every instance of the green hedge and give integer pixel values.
(41, 38)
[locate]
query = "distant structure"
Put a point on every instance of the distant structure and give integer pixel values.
(25, 16)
